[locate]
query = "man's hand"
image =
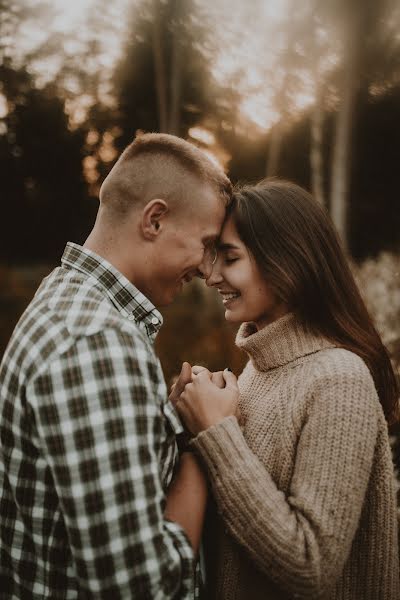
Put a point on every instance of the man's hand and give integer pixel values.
(203, 404)
(185, 376)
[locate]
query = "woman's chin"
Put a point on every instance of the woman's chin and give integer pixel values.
(232, 317)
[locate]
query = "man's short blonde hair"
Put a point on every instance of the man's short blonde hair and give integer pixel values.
(158, 165)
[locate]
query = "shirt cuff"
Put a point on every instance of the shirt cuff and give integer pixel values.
(184, 547)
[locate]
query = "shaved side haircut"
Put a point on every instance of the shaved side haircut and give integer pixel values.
(158, 165)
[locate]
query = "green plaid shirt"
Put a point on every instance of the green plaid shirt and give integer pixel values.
(88, 445)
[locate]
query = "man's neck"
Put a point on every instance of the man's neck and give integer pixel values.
(111, 250)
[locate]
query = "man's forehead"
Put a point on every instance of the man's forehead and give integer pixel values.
(206, 208)
(213, 224)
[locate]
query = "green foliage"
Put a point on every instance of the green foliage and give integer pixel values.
(379, 281)
(43, 191)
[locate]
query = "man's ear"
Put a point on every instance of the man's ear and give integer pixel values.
(152, 218)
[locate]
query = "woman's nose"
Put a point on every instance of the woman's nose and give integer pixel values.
(214, 277)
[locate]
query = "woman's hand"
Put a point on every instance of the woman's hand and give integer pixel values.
(186, 376)
(216, 377)
(203, 404)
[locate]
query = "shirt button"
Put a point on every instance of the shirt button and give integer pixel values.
(154, 320)
(131, 317)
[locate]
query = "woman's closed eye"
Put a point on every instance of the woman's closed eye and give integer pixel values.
(228, 260)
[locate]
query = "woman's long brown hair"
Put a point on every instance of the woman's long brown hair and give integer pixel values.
(295, 245)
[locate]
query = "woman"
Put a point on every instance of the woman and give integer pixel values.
(304, 488)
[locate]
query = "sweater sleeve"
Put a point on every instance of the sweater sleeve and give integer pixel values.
(301, 539)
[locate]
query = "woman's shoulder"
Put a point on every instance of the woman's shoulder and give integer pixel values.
(340, 360)
(343, 369)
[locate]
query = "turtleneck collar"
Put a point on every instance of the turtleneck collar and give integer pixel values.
(279, 343)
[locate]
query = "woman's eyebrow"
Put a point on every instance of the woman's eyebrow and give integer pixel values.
(225, 246)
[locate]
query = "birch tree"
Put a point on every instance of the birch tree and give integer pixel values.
(282, 94)
(360, 23)
(163, 81)
(160, 69)
(317, 116)
(348, 91)
(177, 57)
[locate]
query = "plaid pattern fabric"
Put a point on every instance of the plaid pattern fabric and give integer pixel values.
(88, 445)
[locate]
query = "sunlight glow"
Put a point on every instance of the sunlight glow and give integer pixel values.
(246, 61)
(69, 14)
(3, 107)
(257, 109)
(207, 142)
(202, 135)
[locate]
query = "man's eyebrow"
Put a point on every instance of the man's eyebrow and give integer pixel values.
(210, 240)
(225, 247)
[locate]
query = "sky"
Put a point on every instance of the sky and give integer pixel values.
(248, 50)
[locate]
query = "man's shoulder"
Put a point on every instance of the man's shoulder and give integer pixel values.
(75, 301)
(67, 307)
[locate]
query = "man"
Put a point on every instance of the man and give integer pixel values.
(88, 448)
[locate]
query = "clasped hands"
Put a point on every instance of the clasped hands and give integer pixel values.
(203, 398)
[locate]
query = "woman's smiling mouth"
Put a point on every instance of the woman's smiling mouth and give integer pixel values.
(227, 297)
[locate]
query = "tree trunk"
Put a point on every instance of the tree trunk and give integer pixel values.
(282, 96)
(176, 71)
(316, 156)
(317, 116)
(274, 149)
(159, 68)
(340, 174)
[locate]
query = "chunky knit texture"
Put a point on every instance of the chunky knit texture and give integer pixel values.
(306, 489)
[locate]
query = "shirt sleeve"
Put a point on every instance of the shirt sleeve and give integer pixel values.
(101, 428)
(300, 538)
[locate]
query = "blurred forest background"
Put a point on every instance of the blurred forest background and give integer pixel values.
(303, 89)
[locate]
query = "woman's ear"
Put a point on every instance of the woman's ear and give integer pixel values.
(152, 218)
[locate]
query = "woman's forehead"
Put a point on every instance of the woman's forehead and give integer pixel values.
(229, 234)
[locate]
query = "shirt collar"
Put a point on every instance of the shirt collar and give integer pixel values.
(130, 302)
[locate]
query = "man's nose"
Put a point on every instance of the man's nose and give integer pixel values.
(204, 270)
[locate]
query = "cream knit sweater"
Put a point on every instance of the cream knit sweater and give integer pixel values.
(306, 490)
